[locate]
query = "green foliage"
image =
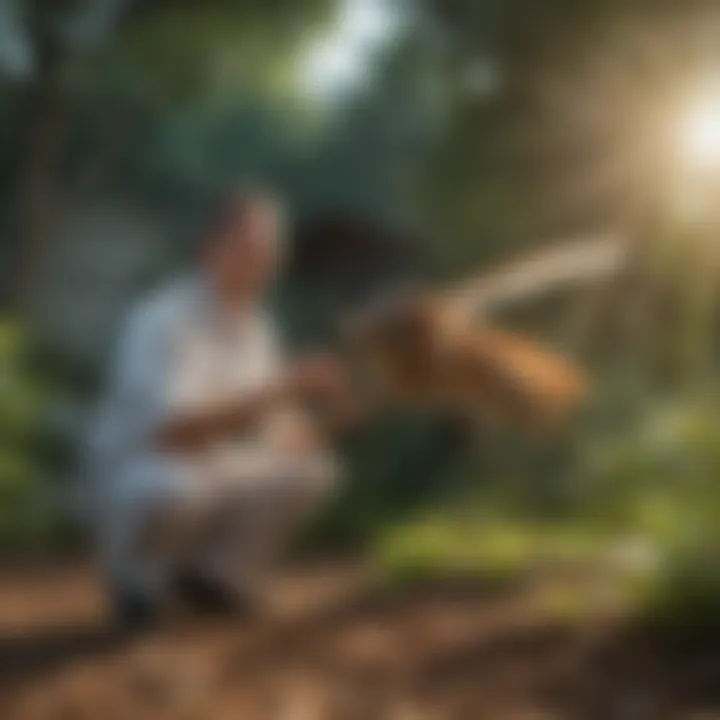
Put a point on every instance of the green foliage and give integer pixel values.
(486, 543)
(667, 457)
(659, 481)
(216, 48)
(394, 465)
(682, 598)
(641, 532)
(25, 519)
(448, 548)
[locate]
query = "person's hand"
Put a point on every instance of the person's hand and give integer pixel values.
(292, 432)
(318, 377)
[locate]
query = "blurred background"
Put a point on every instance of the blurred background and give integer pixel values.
(414, 140)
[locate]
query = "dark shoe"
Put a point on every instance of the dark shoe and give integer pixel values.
(207, 596)
(135, 612)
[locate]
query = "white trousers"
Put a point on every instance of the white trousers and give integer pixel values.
(159, 517)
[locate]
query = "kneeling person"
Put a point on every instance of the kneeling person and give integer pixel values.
(206, 458)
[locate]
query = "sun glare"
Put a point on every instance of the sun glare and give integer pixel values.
(339, 59)
(701, 133)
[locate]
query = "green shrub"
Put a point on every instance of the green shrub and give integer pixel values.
(25, 516)
(682, 599)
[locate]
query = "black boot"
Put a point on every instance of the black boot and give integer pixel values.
(209, 596)
(135, 611)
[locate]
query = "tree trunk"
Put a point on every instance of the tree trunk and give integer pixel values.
(38, 189)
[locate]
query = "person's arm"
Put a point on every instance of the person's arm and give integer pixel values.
(290, 430)
(340, 411)
(191, 431)
(157, 397)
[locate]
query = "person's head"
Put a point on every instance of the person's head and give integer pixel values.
(242, 247)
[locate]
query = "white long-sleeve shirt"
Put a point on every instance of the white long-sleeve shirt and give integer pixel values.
(178, 353)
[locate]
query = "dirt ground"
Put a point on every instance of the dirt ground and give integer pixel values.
(329, 648)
